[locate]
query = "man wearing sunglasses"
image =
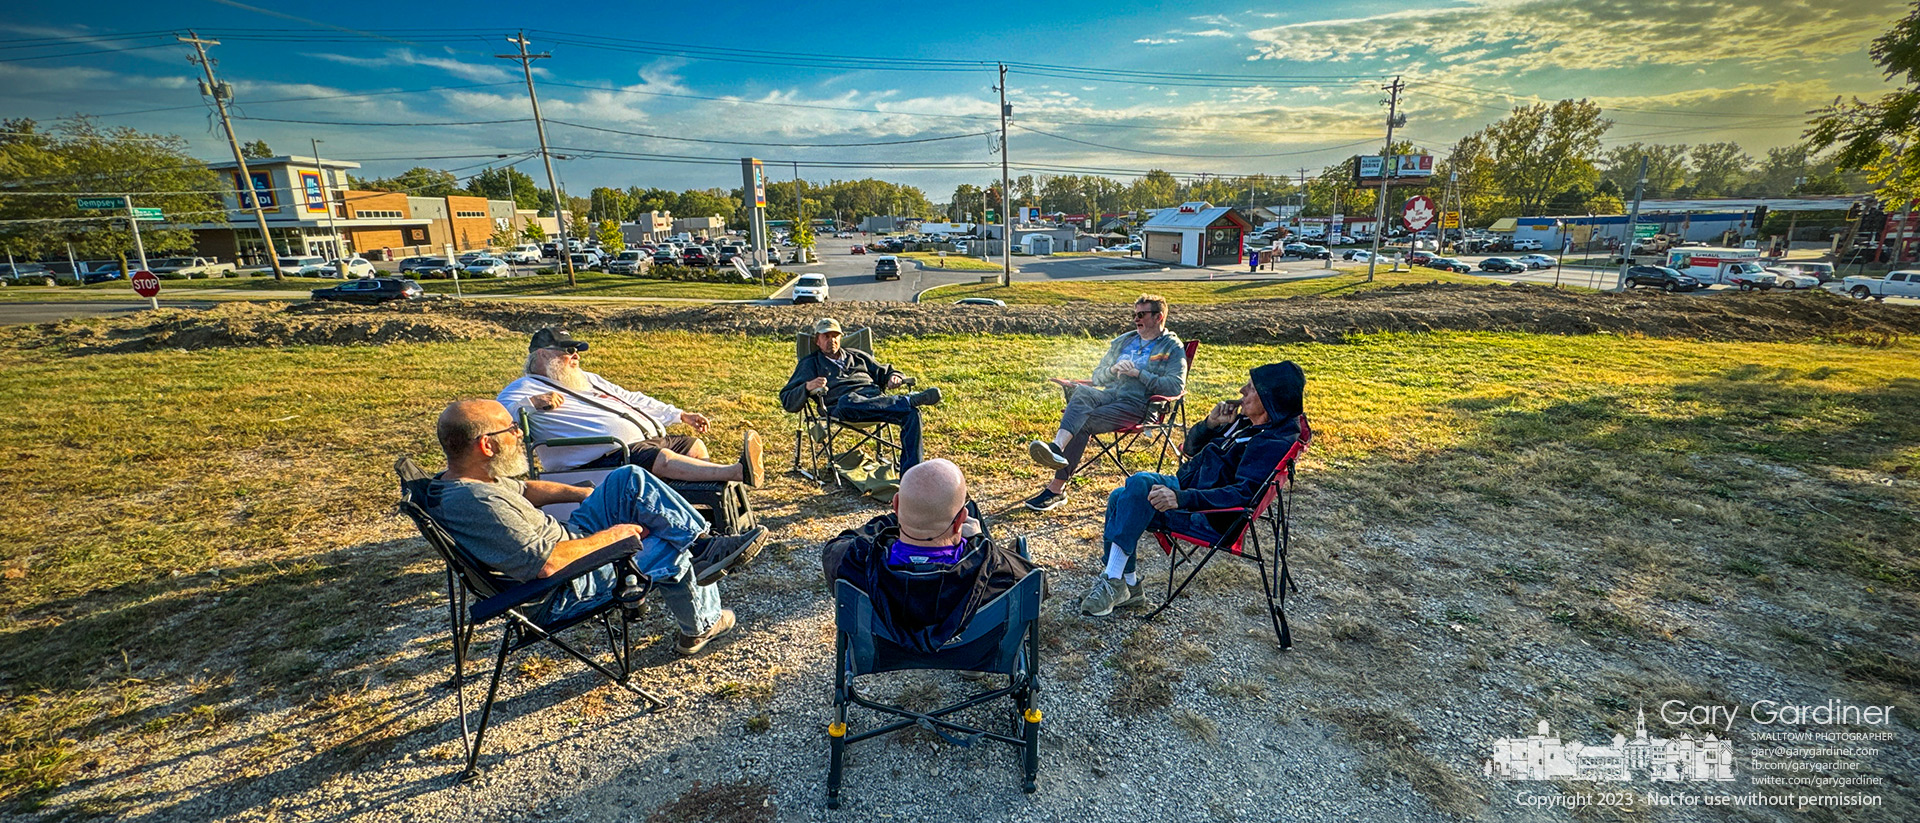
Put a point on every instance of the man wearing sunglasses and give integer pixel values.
(568, 401)
(1148, 361)
(497, 519)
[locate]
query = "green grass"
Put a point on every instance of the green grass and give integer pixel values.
(179, 512)
(1062, 292)
(952, 262)
(590, 284)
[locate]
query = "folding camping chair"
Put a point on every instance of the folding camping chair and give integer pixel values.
(821, 441)
(1241, 537)
(495, 596)
(1002, 638)
(1163, 428)
(724, 504)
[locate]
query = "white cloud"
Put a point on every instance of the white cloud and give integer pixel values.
(1157, 41)
(479, 72)
(1209, 33)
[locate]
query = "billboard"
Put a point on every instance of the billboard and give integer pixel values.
(1031, 214)
(1412, 167)
(310, 186)
(754, 181)
(262, 186)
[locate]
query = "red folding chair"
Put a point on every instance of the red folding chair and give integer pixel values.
(1242, 539)
(1165, 416)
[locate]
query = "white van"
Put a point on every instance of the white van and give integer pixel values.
(1732, 267)
(528, 254)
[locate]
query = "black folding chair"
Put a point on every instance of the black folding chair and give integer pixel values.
(1241, 537)
(1002, 638)
(495, 596)
(1162, 429)
(822, 441)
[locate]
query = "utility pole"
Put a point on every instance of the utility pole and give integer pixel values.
(247, 192)
(340, 246)
(1006, 189)
(1633, 221)
(1386, 168)
(540, 127)
(139, 247)
(1300, 216)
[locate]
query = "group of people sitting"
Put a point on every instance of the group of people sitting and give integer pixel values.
(497, 517)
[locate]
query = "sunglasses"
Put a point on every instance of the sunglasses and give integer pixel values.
(1139, 314)
(515, 428)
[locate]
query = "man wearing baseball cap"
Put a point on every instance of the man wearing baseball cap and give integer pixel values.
(854, 386)
(1231, 453)
(567, 401)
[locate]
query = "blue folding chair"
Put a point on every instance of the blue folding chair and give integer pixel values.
(1002, 637)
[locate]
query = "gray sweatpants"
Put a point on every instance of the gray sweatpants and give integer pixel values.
(1093, 410)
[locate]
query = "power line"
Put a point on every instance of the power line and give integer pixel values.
(314, 97)
(1181, 154)
(766, 143)
(384, 125)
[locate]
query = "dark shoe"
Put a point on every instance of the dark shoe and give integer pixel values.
(930, 397)
(693, 643)
(1048, 455)
(753, 470)
(1046, 500)
(715, 556)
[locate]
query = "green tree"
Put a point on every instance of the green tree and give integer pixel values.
(534, 233)
(418, 181)
(256, 150)
(1718, 168)
(803, 229)
(1542, 150)
(705, 203)
(1881, 137)
(1666, 168)
(607, 204)
(1154, 190)
(609, 235)
(81, 156)
(507, 184)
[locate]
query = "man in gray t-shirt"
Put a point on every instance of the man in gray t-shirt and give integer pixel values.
(497, 519)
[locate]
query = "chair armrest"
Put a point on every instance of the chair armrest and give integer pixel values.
(534, 590)
(1214, 511)
(591, 440)
(1163, 398)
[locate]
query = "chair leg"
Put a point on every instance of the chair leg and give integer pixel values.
(837, 731)
(1197, 567)
(653, 701)
(472, 771)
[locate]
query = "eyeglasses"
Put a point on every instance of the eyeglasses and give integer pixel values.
(515, 428)
(1139, 314)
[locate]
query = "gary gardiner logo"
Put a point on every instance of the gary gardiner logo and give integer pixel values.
(1543, 756)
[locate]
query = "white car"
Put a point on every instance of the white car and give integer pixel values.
(356, 267)
(526, 255)
(1527, 244)
(810, 288)
(1357, 255)
(488, 267)
(1793, 279)
(1537, 261)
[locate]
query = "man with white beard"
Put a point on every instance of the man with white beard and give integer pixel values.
(567, 401)
(496, 519)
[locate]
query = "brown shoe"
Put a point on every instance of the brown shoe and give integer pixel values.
(753, 469)
(690, 644)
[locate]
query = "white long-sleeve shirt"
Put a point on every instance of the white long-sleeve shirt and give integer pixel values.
(638, 417)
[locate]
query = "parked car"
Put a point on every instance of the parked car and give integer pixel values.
(1820, 271)
(1527, 244)
(26, 274)
(727, 253)
(296, 265)
(632, 261)
(1419, 258)
(1905, 283)
(1357, 255)
(472, 256)
(1660, 277)
(1506, 265)
(425, 265)
(371, 290)
(980, 301)
(356, 267)
(187, 267)
(886, 267)
(1448, 264)
(1793, 279)
(696, 256)
(102, 275)
(525, 255)
(585, 260)
(1537, 261)
(810, 288)
(488, 267)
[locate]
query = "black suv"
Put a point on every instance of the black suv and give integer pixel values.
(26, 274)
(886, 268)
(1660, 277)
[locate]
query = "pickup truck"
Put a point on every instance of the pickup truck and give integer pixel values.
(1893, 284)
(189, 267)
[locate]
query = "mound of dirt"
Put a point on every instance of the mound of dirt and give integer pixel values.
(1418, 308)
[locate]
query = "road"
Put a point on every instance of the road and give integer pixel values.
(23, 312)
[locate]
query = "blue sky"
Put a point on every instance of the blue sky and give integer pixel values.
(1293, 88)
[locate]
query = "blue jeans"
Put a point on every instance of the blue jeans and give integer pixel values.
(885, 408)
(630, 495)
(1129, 514)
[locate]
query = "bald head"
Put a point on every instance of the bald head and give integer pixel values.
(479, 438)
(930, 494)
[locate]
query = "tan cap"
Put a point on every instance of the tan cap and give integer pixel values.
(826, 324)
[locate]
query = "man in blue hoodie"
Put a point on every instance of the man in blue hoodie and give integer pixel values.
(1229, 455)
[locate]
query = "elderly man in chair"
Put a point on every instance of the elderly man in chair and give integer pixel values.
(567, 401)
(1230, 454)
(497, 519)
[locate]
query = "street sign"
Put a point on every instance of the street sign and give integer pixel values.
(101, 203)
(1449, 220)
(142, 213)
(146, 283)
(1418, 213)
(1642, 231)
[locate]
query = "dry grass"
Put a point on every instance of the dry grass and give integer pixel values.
(1344, 279)
(1388, 740)
(739, 802)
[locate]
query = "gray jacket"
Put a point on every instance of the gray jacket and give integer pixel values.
(1164, 372)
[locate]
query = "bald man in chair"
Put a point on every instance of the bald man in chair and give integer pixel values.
(928, 565)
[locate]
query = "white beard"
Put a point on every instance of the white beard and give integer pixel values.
(570, 376)
(509, 461)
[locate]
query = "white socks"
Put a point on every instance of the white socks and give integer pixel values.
(1133, 579)
(1060, 439)
(1117, 561)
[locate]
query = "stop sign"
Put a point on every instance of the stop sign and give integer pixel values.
(146, 283)
(1418, 213)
